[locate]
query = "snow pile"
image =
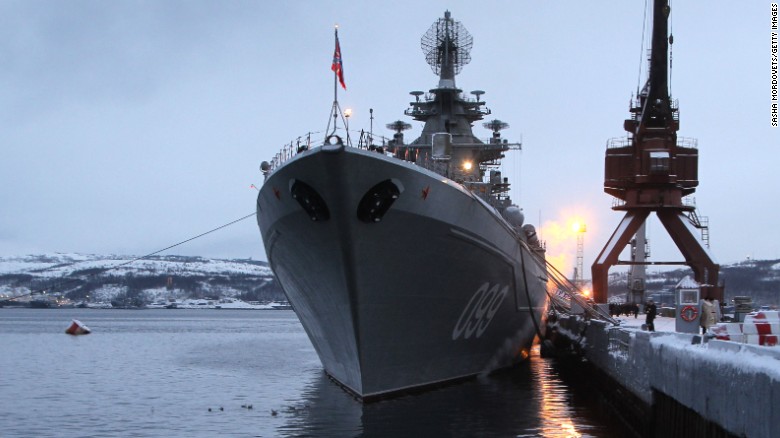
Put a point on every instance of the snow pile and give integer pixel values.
(718, 356)
(734, 385)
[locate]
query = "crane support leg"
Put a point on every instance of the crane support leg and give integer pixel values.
(685, 236)
(609, 255)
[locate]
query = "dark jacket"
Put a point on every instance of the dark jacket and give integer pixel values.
(651, 311)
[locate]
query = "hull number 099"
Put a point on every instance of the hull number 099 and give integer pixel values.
(479, 311)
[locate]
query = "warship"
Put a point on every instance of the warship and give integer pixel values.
(407, 264)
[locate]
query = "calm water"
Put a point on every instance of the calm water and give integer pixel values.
(150, 373)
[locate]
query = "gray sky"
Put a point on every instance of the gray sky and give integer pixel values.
(129, 126)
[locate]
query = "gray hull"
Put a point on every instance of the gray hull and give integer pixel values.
(439, 289)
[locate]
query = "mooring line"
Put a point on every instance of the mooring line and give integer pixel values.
(104, 270)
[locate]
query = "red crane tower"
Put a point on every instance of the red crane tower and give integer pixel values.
(651, 170)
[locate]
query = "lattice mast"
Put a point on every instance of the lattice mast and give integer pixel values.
(652, 170)
(578, 267)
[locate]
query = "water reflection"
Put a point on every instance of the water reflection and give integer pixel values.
(157, 373)
(554, 410)
(528, 401)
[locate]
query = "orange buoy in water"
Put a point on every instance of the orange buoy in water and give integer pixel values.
(77, 328)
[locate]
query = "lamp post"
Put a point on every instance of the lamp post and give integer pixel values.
(347, 115)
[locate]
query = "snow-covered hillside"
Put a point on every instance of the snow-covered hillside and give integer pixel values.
(62, 265)
(97, 277)
(757, 279)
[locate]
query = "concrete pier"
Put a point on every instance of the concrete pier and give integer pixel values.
(673, 384)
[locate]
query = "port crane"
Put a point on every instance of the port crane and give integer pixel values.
(652, 170)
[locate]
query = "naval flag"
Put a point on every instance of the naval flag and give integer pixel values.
(338, 66)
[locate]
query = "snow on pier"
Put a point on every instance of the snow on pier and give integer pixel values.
(734, 385)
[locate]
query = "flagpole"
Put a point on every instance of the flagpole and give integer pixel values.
(335, 110)
(335, 82)
(338, 77)
(335, 73)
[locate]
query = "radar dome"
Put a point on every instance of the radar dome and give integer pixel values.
(514, 215)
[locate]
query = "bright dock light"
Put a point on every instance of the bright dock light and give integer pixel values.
(578, 227)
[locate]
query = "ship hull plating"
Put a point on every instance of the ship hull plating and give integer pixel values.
(435, 290)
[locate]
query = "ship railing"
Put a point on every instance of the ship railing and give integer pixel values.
(368, 141)
(488, 145)
(289, 150)
(417, 112)
(430, 97)
(303, 143)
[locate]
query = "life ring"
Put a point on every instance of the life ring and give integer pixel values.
(689, 313)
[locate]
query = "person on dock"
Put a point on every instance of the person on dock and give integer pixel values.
(651, 311)
(709, 314)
